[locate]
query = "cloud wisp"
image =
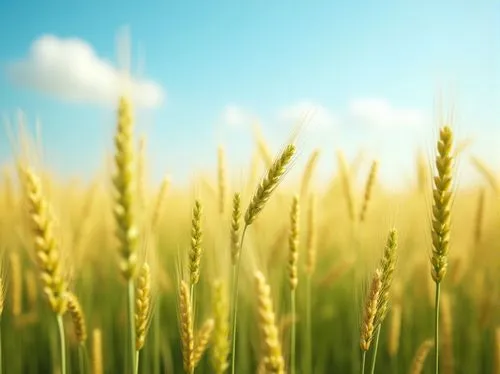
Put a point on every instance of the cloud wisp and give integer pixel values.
(70, 70)
(381, 113)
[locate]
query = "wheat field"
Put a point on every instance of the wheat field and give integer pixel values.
(122, 276)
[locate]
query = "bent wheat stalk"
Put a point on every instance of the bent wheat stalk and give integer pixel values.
(266, 187)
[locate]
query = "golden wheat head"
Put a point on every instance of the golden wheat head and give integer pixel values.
(442, 201)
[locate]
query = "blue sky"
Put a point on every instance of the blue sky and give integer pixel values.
(204, 71)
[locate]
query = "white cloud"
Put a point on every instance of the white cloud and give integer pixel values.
(70, 69)
(236, 116)
(315, 115)
(381, 113)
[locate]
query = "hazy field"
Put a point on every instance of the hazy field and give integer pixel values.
(337, 256)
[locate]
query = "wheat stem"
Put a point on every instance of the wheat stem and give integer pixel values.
(62, 343)
(236, 276)
(131, 323)
(293, 332)
(436, 328)
(308, 341)
(375, 349)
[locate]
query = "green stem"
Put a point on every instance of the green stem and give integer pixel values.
(131, 325)
(436, 327)
(81, 364)
(156, 350)
(193, 301)
(293, 333)
(363, 362)
(136, 369)
(308, 364)
(375, 349)
(236, 278)
(62, 345)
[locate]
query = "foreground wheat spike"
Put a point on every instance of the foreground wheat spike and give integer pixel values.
(235, 228)
(293, 244)
(47, 253)
(370, 311)
(143, 306)
(221, 174)
(266, 187)
(186, 323)
(387, 267)
(125, 187)
(272, 356)
(196, 238)
(368, 190)
(46, 245)
(202, 340)
(442, 201)
(441, 222)
(220, 310)
(77, 316)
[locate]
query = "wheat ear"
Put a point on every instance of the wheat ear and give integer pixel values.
(269, 183)
(46, 245)
(370, 313)
(235, 228)
(78, 318)
(143, 306)
(273, 358)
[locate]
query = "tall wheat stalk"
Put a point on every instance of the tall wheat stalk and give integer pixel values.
(310, 266)
(370, 312)
(387, 267)
(293, 257)
(47, 252)
(125, 217)
(266, 187)
(441, 222)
